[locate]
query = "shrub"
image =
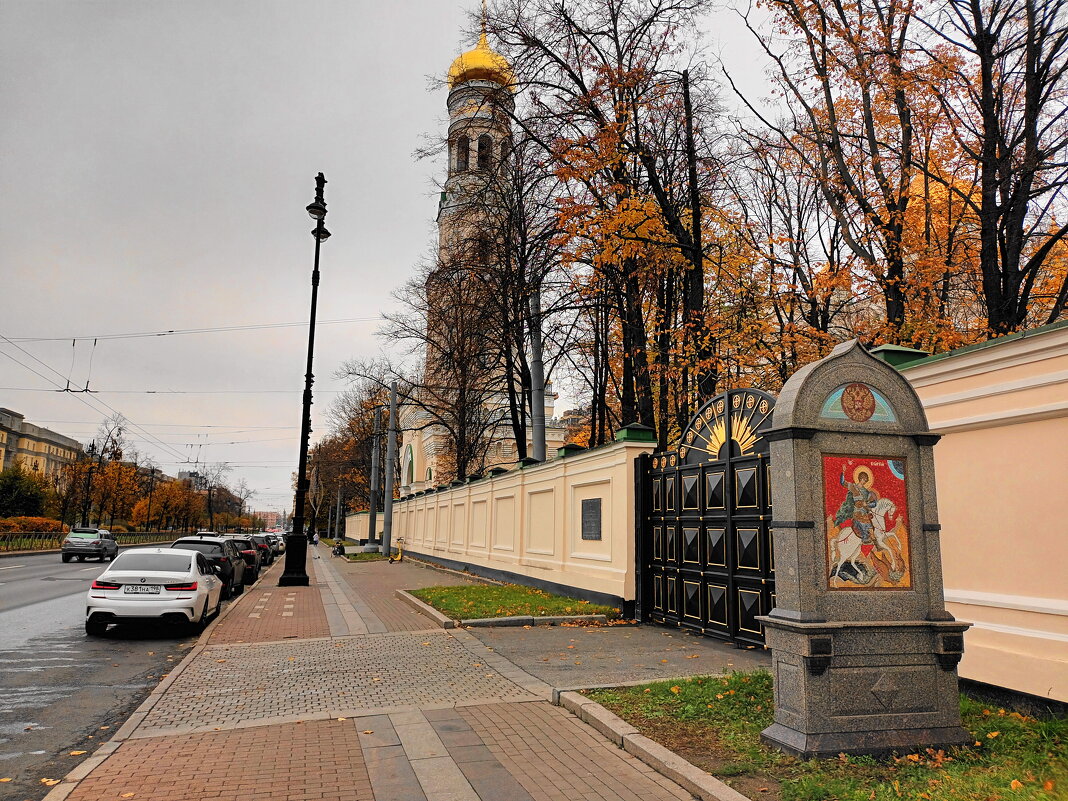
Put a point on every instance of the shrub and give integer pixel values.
(18, 525)
(117, 529)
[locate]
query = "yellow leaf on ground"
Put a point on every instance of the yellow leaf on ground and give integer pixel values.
(342, 718)
(993, 734)
(50, 782)
(105, 727)
(128, 795)
(368, 731)
(220, 661)
(5, 779)
(77, 753)
(676, 689)
(1016, 784)
(1048, 786)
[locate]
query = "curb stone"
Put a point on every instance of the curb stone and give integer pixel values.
(664, 761)
(70, 782)
(610, 725)
(442, 620)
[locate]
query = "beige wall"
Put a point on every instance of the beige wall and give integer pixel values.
(1002, 470)
(528, 522)
(356, 525)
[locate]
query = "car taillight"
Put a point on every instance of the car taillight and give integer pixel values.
(180, 587)
(105, 585)
(95, 542)
(224, 560)
(250, 551)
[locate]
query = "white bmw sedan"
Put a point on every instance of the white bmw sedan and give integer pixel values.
(166, 584)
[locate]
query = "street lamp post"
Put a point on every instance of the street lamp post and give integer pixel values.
(296, 573)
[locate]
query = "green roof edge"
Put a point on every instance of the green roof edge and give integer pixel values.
(989, 343)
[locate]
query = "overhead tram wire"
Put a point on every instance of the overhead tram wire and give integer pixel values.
(241, 426)
(226, 329)
(170, 391)
(80, 397)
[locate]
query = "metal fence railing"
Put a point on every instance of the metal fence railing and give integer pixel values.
(50, 540)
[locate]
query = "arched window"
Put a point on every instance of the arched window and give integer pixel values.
(482, 251)
(485, 152)
(429, 474)
(409, 469)
(504, 152)
(463, 154)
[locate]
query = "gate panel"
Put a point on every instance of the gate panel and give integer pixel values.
(705, 550)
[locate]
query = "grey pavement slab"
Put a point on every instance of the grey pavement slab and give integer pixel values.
(591, 656)
(442, 780)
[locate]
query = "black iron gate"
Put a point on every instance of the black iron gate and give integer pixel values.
(705, 558)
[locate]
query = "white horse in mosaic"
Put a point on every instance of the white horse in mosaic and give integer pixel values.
(846, 546)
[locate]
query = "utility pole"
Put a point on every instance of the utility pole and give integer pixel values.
(339, 532)
(391, 457)
(372, 515)
(537, 378)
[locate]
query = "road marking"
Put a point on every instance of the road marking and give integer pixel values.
(84, 569)
(12, 567)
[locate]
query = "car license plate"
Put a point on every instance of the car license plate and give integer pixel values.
(137, 589)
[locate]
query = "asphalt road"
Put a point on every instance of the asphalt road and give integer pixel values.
(61, 691)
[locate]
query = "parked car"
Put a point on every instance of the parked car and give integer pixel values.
(250, 553)
(89, 542)
(169, 585)
(278, 547)
(264, 546)
(222, 553)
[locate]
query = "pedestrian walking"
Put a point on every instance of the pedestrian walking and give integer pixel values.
(315, 542)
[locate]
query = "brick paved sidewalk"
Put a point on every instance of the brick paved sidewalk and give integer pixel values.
(339, 691)
(375, 584)
(493, 752)
(267, 612)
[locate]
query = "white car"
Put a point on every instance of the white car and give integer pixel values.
(167, 584)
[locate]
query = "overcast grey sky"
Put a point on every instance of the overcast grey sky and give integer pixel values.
(155, 160)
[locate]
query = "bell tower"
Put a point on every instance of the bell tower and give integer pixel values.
(479, 146)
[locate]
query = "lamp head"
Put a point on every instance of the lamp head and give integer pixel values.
(316, 209)
(320, 233)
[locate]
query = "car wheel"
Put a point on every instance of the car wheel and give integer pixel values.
(95, 626)
(240, 588)
(227, 590)
(111, 557)
(201, 623)
(218, 607)
(66, 557)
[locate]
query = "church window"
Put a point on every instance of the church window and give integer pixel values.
(482, 251)
(463, 154)
(485, 152)
(429, 474)
(504, 152)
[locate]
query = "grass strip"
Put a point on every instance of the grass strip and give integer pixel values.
(505, 600)
(715, 723)
(365, 556)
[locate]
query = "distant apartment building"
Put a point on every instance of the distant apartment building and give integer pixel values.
(270, 519)
(36, 448)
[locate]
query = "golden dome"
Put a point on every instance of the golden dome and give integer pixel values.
(483, 63)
